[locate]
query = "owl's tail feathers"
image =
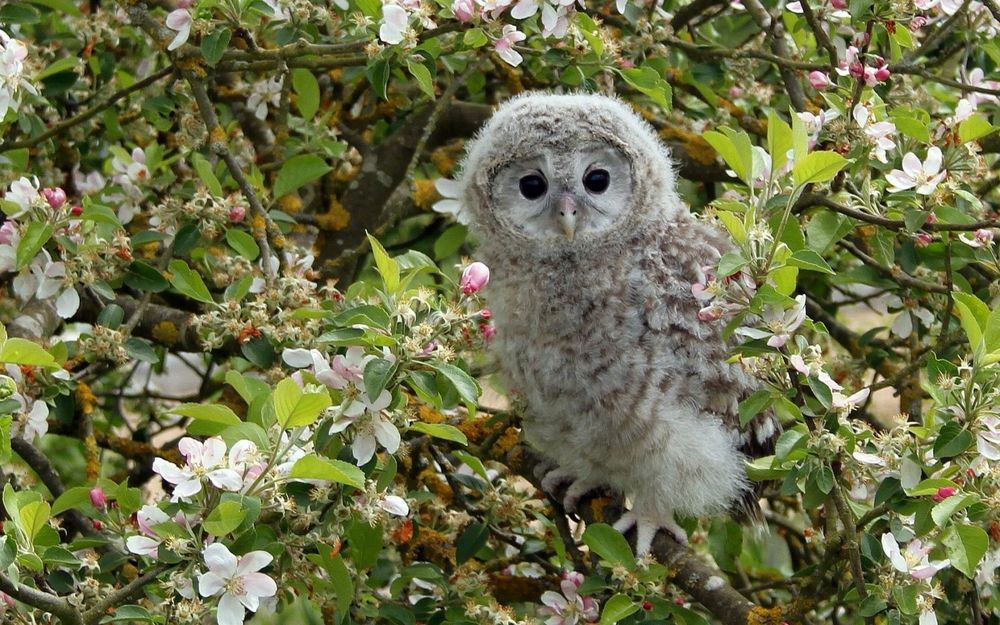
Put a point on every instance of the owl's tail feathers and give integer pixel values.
(746, 509)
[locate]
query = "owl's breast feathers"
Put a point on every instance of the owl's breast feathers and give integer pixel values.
(608, 342)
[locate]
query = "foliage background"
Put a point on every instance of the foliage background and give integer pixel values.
(188, 190)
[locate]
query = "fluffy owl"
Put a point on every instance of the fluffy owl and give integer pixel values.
(593, 256)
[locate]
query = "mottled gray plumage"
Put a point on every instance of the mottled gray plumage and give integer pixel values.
(597, 327)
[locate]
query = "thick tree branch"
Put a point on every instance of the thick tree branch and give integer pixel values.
(66, 613)
(40, 464)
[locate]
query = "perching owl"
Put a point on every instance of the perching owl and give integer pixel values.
(593, 256)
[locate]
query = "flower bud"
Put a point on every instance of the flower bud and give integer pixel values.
(55, 197)
(7, 387)
(7, 232)
(918, 22)
(474, 278)
(819, 80)
(710, 313)
(943, 493)
(984, 236)
(647, 605)
(237, 213)
(922, 239)
(882, 73)
(488, 331)
(464, 10)
(97, 525)
(76, 211)
(485, 314)
(98, 498)
(839, 4)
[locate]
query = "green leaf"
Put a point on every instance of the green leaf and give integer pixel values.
(944, 510)
(387, 267)
(293, 408)
(974, 315)
(973, 128)
(617, 609)
(65, 64)
(965, 545)
(811, 261)
(648, 81)
(5, 452)
(473, 539)
(24, 352)
(313, 467)
(208, 419)
(243, 243)
(214, 44)
(307, 92)
(779, 140)
(297, 171)
(442, 431)
(35, 237)
(450, 241)
(468, 388)
(476, 38)
(204, 169)
(72, 498)
(144, 277)
(730, 263)
(141, 349)
(952, 440)
(364, 543)
(753, 405)
(729, 153)
(818, 167)
(343, 586)
(423, 77)
(33, 517)
(225, 518)
(258, 351)
(378, 372)
(188, 282)
(129, 613)
(609, 544)
(60, 556)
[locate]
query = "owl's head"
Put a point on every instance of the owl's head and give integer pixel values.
(565, 171)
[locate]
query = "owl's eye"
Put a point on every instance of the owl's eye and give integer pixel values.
(597, 180)
(533, 186)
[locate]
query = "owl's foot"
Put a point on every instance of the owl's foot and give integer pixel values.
(577, 488)
(646, 528)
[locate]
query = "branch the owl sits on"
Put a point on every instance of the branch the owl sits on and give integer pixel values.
(593, 257)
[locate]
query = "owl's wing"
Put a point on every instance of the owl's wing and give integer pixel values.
(705, 380)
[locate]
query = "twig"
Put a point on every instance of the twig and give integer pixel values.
(894, 273)
(91, 112)
(822, 38)
(732, 53)
(776, 33)
(818, 199)
(57, 606)
(125, 593)
(217, 142)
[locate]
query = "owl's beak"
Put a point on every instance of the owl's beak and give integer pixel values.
(567, 215)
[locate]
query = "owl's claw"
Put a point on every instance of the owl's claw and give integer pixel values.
(646, 528)
(577, 488)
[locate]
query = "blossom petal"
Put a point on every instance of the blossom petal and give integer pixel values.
(259, 585)
(220, 560)
(67, 303)
(210, 584)
(230, 611)
(253, 561)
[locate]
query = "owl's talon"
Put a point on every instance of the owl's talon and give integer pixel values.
(555, 477)
(576, 490)
(645, 530)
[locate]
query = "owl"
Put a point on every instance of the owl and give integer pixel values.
(593, 257)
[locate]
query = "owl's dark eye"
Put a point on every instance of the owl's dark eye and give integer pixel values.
(597, 180)
(533, 186)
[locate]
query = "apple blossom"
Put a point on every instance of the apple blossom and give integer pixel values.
(97, 498)
(569, 608)
(925, 176)
(203, 460)
(148, 517)
(474, 277)
(394, 24)
(54, 197)
(236, 580)
(504, 46)
(979, 238)
(780, 323)
(464, 10)
(24, 193)
(179, 20)
(819, 80)
(450, 190)
(913, 561)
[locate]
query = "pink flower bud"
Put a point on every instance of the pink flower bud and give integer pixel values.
(838, 4)
(857, 70)
(931, 218)
(819, 80)
(735, 92)
(464, 10)
(918, 22)
(237, 213)
(474, 278)
(882, 73)
(76, 211)
(922, 239)
(943, 493)
(7, 232)
(485, 314)
(488, 331)
(98, 498)
(984, 236)
(55, 197)
(7, 600)
(97, 525)
(574, 577)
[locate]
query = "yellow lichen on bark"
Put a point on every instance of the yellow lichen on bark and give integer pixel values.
(85, 398)
(335, 218)
(166, 332)
(424, 194)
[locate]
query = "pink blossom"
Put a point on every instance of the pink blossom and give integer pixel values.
(464, 10)
(925, 176)
(237, 213)
(914, 560)
(710, 313)
(394, 24)
(922, 239)
(918, 22)
(569, 607)
(819, 80)
(504, 46)
(55, 197)
(147, 518)
(184, 4)
(847, 403)
(780, 323)
(98, 498)
(474, 278)
(179, 20)
(980, 238)
(488, 331)
(203, 460)
(7, 232)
